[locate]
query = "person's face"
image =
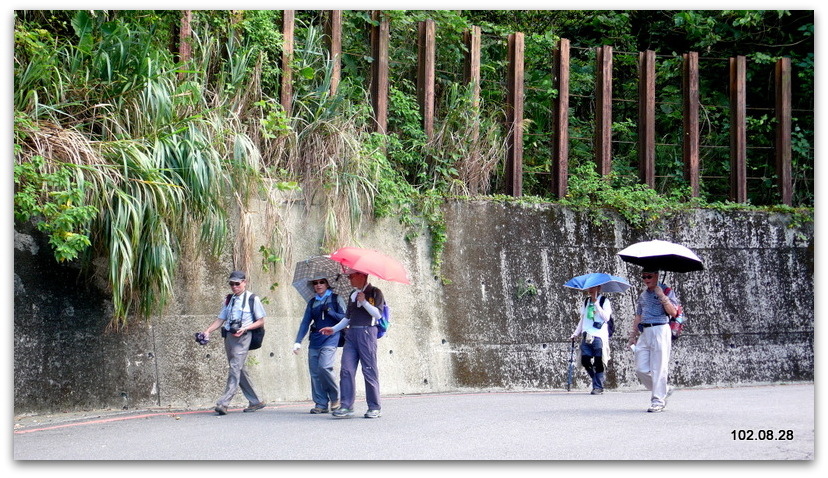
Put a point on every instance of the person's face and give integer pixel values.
(650, 279)
(357, 279)
(237, 286)
(319, 286)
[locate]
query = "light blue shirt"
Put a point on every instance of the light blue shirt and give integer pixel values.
(650, 308)
(238, 311)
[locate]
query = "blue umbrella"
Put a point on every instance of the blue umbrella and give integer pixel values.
(607, 282)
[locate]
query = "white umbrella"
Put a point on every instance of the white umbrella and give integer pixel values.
(662, 256)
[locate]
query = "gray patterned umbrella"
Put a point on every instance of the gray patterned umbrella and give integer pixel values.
(319, 267)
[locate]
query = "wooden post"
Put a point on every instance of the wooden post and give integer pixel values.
(425, 77)
(690, 120)
(380, 35)
(783, 130)
(472, 64)
(286, 98)
(738, 130)
(560, 120)
(333, 35)
(603, 110)
(646, 117)
(514, 108)
(185, 36)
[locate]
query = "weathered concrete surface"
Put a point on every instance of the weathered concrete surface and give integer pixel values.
(750, 311)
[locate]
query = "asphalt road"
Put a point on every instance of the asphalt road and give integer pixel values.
(751, 423)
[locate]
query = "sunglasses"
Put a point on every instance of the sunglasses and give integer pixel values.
(317, 282)
(234, 283)
(647, 276)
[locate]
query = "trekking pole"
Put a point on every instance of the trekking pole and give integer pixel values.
(571, 370)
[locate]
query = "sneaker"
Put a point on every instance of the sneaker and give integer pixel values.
(596, 391)
(221, 409)
(655, 408)
(253, 408)
(343, 413)
(317, 410)
(373, 414)
(335, 405)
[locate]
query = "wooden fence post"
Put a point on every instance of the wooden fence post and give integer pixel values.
(286, 98)
(690, 120)
(560, 120)
(646, 117)
(426, 48)
(472, 64)
(783, 130)
(514, 112)
(738, 130)
(185, 36)
(333, 35)
(603, 110)
(380, 35)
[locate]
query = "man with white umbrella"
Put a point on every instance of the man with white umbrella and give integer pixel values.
(652, 337)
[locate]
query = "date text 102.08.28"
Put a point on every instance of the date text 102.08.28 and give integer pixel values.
(763, 435)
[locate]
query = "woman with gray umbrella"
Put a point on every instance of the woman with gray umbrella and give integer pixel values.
(324, 309)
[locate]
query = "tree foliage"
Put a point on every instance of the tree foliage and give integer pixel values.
(124, 151)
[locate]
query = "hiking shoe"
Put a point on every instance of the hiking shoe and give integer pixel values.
(318, 410)
(596, 391)
(655, 408)
(253, 408)
(343, 413)
(335, 405)
(373, 414)
(221, 409)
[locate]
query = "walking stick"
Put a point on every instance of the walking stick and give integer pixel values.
(571, 370)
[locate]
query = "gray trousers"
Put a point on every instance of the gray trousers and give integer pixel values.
(323, 381)
(360, 349)
(237, 377)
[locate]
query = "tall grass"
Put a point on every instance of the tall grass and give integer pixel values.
(158, 156)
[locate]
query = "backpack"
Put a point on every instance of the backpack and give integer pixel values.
(384, 322)
(677, 322)
(257, 334)
(611, 321)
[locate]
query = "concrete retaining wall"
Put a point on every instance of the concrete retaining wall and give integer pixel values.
(750, 311)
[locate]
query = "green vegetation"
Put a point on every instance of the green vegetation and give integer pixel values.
(125, 152)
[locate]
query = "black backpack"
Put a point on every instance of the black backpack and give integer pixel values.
(257, 334)
(610, 322)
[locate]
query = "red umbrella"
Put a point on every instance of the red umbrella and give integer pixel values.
(371, 262)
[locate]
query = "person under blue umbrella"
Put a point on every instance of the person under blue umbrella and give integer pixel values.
(593, 332)
(593, 329)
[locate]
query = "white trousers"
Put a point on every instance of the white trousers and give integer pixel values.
(652, 357)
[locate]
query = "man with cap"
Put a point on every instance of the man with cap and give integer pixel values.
(236, 319)
(652, 338)
(361, 316)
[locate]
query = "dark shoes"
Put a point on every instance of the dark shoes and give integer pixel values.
(596, 391)
(221, 410)
(253, 408)
(317, 410)
(343, 413)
